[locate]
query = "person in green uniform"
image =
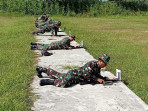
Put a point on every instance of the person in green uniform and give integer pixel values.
(90, 72)
(52, 27)
(62, 44)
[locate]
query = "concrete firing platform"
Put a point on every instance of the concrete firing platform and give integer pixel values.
(116, 97)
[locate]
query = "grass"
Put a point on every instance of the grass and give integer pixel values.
(124, 39)
(16, 62)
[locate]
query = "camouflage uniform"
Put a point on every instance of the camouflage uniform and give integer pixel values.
(62, 44)
(46, 23)
(89, 72)
(43, 17)
(47, 27)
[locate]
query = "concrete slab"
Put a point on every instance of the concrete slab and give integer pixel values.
(116, 97)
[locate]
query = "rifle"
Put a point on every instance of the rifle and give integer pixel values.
(107, 82)
(81, 46)
(110, 82)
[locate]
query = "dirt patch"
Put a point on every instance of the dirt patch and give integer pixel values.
(136, 40)
(145, 50)
(123, 30)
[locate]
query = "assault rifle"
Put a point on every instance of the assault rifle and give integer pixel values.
(107, 82)
(81, 46)
(110, 82)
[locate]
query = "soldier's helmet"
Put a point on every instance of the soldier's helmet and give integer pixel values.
(59, 23)
(105, 58)
(73, 37)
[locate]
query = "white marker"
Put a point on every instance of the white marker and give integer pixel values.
(118, 74)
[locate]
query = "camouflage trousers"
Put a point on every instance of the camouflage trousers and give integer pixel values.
(41, 46)
(44, 29)
(51, 46)
(63, 79)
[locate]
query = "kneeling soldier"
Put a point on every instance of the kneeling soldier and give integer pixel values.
(50, 21)
(49, 27)
(90, 72)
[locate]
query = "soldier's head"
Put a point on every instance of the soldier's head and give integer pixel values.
(103, 60)
(72, 37)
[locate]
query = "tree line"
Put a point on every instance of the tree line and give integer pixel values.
(74, 7)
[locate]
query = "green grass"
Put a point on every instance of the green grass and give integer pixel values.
(16, 62)
(125, 39)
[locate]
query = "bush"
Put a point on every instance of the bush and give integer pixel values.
(74, 7)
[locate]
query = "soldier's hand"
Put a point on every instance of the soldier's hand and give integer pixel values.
(100, 80)
(69, 47)
(112, 79)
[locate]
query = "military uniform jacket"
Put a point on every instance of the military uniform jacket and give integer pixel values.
(89, 72)
(62, 44)
(49, 25)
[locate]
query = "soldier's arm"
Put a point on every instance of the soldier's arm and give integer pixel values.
(105, 78)
(67, 44)
(43, 24)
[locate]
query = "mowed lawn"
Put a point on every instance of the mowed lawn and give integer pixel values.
(16, 62)
(125, 39)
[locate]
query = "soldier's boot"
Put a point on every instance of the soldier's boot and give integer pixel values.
(40, 70)
(33, 47)
(45, 53)
(33, 32)
(33, 43)
(37, 32)
(46, 82)
(37, 25)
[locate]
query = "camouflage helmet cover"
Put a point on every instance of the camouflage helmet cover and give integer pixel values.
(73, 36)
(105, 58)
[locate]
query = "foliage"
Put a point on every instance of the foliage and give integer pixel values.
(74, 7)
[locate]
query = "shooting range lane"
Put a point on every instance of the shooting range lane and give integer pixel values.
(116, 97)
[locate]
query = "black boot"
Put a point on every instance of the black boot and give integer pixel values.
(37, 25)
(46, 82)
(45, 53)
(33, 33)
(33, 47)
(36, 32)
(40, 70)
(33, 43)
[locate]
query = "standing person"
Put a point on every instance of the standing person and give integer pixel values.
(90, 72)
